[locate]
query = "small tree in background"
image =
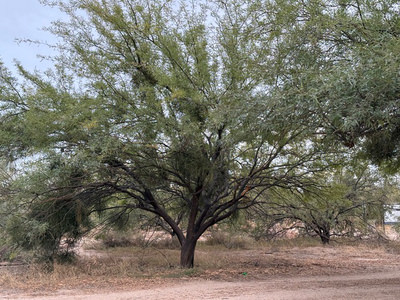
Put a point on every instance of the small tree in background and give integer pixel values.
(344, 203)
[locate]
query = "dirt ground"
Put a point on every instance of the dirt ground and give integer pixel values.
(362, 271)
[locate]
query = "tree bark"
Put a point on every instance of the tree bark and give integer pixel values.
(325, 236)
(187, 253)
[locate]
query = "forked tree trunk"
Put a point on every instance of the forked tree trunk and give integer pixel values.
(187, 253)
(325, 236)
(325, 240)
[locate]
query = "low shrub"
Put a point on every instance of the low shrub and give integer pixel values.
(230, 241)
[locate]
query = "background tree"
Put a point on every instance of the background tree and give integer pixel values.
(176, 110)
(345, 202)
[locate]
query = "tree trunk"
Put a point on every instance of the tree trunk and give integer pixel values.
(325, 236)
(187, 253)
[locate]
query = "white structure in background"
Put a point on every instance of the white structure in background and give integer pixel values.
(392, 214)
(390, 220)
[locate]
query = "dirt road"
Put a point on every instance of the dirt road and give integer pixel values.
(364, 286)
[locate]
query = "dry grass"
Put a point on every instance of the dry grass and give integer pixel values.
(154, 239)
(229, 241)
(131, 267)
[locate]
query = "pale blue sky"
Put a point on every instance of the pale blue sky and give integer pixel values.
(23, 19)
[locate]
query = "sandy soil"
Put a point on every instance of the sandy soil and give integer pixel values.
(366, 286)
(289, 273)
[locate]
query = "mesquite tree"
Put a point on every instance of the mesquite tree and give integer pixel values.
(174, 109)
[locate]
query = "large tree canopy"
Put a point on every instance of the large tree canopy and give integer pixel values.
(158, 106)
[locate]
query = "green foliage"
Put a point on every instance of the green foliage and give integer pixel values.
(42, 212)
(345, 202)
(48, 226)
(191, 113)
(343, 64)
